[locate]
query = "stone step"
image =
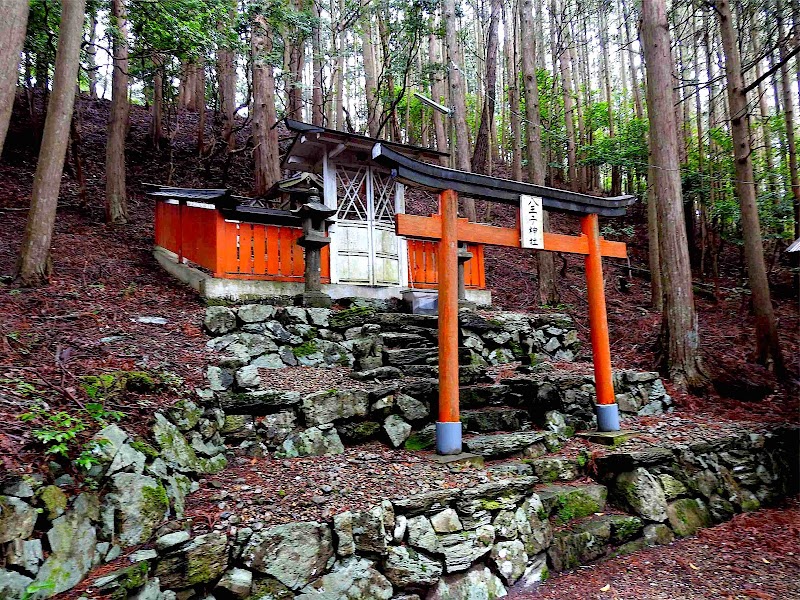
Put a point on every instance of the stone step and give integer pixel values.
(502, 469)
(405, 340)
(565, 503)
(477, 396)
(557, 468)
(526, 443)
(467, 374)
(594, 538)
(401, 357)
(495, 419)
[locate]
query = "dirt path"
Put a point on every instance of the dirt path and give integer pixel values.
(756, 555)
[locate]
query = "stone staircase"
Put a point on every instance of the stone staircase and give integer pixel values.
(538, 510)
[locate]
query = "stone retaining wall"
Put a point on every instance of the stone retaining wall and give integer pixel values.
(266, 336)
(50, 542)
(444, 544)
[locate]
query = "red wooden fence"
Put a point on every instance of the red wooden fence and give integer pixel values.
(423, 265)
(233, 250)
(270, 252)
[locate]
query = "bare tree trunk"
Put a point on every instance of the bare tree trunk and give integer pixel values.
(116, 193)
(200, 103)
(14, 17)
(548, 293)
(317, 99)
(616, 178)
(340, 65)
(510, 48)
(34, 263)
(370, 76)
(294, 83)
(458, 97)
(582, 170)
(482, 143)
(75, 147)
(226, 73)
(438, 91)
(680, 336)
(637, 92)
(767, 342)
(265, 136)
(91, 55)
(569, 120)
(788, 115)
(158, 101)
(654, 254)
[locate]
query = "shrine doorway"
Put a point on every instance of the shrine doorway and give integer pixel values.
(365, 249)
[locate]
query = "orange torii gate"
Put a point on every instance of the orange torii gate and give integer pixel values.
(449, 230)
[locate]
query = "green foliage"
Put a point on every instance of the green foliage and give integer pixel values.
(59, 432)
(34, 588)
(305, 349)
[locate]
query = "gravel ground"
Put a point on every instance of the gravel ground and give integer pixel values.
(308, 380)
(271, 491)
(756, 555)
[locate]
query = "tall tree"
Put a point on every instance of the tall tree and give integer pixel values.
(265, 136)
(370, 76)
(158, 100)
(768, 348)
(482, 150)
(788, 114)
(548, 293)
(14, 17)
(226, 75)
(438, 92)
(91, 52)
(565, 68)
(116, 194)
(295, 42)
(458, 95)
(317, 97)
(512, 77)
(34, 263)
(680, 336)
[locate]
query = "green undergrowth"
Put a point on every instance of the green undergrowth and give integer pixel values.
(62, 421)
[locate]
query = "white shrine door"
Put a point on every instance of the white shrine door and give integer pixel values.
(366, 250)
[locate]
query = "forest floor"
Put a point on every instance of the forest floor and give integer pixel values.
(96, 317)
(755, 555)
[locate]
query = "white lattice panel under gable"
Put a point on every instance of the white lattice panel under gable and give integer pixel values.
(353, 194)
(383, 190)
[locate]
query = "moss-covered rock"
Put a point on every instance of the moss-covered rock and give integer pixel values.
(54, 500)
(199, 561)
(421, 440)
(294, 553)
(73, 542)
(643, 493)
(179, 454)
(359, 432)
(123, 580)
(350, 317)
(687, 516)
(17, 519)
(141, 504)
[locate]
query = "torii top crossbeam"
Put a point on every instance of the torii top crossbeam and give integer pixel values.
(402, 162)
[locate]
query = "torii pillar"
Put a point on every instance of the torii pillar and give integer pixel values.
(448, 425)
